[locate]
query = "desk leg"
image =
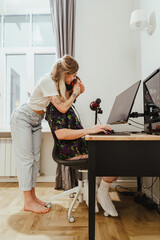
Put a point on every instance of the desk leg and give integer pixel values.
(91, 178)
(139, 184)
(92, 208)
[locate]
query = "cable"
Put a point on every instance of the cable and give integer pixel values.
(99, 120)
(153, 182)
(77, 113)
(135, 126)
(128, 192)
(131, 193)
(135, 122)
(147, 201)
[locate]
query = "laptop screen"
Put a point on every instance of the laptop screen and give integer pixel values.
(123, 105)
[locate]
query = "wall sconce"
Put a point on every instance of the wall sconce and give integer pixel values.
(139, 21)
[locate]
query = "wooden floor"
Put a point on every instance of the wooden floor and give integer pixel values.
(134, 222)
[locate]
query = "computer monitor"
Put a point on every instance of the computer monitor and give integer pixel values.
(123, 105)
(151, 94)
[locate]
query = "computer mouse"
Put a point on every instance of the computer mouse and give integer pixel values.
(109, 131)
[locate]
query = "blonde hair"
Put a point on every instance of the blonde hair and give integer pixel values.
(66, 64)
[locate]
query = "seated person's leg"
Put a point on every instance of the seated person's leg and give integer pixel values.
(86, 193)
(104, 198)
(78, 157)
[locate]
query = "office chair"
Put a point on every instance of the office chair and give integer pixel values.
(80, 165)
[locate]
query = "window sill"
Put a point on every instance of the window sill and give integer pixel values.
(7, 129)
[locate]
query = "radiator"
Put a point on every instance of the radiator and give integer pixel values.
(7, 159)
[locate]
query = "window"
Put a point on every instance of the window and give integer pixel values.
(40, 65)
(15, 82)
(42, 31)
(16, 31)
(27, 52)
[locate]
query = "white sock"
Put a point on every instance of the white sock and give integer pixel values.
(98, 181)
(86, 195)
(104, 199)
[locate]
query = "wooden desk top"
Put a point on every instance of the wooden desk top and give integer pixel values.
(132, 137)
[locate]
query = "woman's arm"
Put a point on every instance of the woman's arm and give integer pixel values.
(71, 134)
(64, 106)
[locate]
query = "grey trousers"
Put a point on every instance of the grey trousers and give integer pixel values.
(26, 138)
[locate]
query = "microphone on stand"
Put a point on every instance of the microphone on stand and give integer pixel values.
(95, 104)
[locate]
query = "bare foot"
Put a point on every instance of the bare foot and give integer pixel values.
(39, 201)
(36, 199)
(35, 207)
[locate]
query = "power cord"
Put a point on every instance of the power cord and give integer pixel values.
(134, 126)
(151, 187)
(129, 192)
(146, 201)
(140, 197)
(76, 113)
(99, 120)
(153, 182)
(136, 122)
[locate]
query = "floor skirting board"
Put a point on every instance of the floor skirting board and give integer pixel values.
(123, 183)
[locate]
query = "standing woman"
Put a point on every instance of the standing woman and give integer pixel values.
(26, 125)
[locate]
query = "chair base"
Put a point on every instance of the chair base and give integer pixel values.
(79, 190)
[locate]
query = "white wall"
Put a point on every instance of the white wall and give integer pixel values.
(106, 52)
(150, 45)
(47, 165)
(150, 58)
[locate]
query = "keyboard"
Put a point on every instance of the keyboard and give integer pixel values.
(112, 134)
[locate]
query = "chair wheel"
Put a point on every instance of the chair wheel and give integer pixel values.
(48, 205)
(71, 195)
(71, 219)
(105, 214)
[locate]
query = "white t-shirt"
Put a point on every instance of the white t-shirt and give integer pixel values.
(40, 97)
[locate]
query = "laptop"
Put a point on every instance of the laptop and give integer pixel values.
(122, 108)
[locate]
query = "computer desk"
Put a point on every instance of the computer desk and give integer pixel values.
(132, 155)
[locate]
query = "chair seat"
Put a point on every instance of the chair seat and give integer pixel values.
(80, 164)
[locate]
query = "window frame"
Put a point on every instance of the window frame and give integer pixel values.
(30, 53)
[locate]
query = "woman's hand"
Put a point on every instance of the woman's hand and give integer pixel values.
(76, 89)
(99, 128)
(81, 86)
